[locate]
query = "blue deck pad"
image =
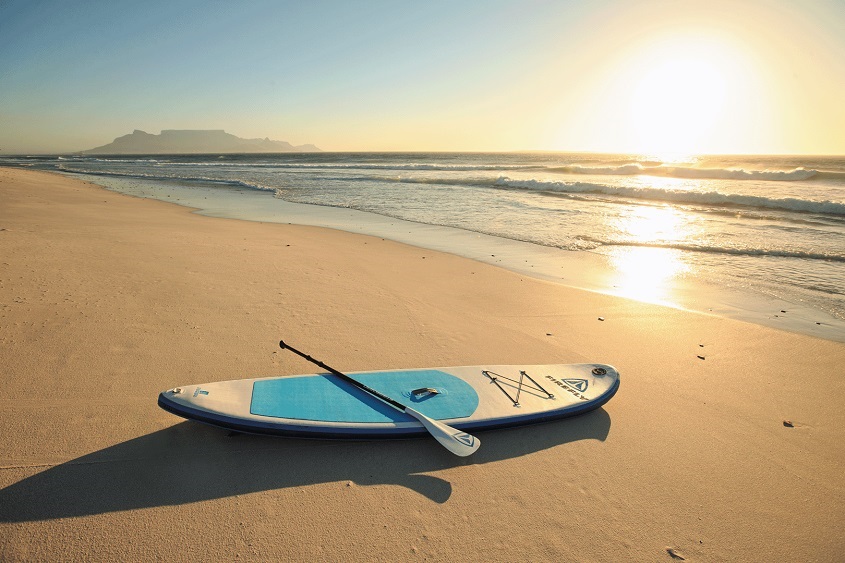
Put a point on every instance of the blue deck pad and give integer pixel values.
(328, 398)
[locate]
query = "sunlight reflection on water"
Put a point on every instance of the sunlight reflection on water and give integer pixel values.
(651, 225)
(644, 272)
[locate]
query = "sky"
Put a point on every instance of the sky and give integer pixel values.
(646, 77)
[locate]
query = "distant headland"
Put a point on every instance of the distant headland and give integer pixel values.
(173, 141)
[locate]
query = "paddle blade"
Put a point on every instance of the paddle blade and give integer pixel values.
(456, 441)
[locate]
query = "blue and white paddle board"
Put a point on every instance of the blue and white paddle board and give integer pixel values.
(467, 398)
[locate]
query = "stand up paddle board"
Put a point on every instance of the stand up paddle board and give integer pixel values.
(466, 398)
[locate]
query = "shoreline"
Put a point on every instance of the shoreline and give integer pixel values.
(109, 299)
(585, 270)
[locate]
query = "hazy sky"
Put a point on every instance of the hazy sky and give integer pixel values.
(632, 76)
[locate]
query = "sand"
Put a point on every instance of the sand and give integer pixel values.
(105, 300)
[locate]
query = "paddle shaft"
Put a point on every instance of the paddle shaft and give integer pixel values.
(343, 376)
(456, 441)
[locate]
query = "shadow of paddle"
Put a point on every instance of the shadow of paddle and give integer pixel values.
(191, 462)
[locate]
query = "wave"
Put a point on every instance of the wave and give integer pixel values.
(636, 168)
(614, 168)
(740, 174)
(319, 166)
(710, 198)
(754, 252)
(94, 159)
(677, 196)
(398, 167)
(161, 178)
(831, 175)
(627, 169)
(121, 160)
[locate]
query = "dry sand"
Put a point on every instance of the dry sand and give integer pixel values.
(105, 300)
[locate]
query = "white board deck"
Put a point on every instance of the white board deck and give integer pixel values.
(466, 398)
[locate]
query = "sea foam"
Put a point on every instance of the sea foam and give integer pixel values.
(691, 172)
(677, 196)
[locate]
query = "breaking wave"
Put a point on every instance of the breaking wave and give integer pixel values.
(165, 178)
(764, 252)
(632, 169)
(612, 168)
(709, 198)
(677, 196)
(312, 165)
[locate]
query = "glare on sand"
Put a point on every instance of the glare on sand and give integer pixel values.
(644, 272)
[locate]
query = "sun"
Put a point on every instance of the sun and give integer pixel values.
(675, 104)
(680, 95)
(689, 91)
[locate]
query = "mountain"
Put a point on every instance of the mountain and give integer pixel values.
(172, 141)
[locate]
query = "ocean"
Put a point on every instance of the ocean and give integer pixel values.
(759, 238)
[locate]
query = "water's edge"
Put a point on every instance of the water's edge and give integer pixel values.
(578, 269)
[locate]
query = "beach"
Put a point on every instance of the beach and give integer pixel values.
(755, 238)
(724, 442)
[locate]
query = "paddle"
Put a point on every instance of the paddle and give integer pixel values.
(458, 442)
